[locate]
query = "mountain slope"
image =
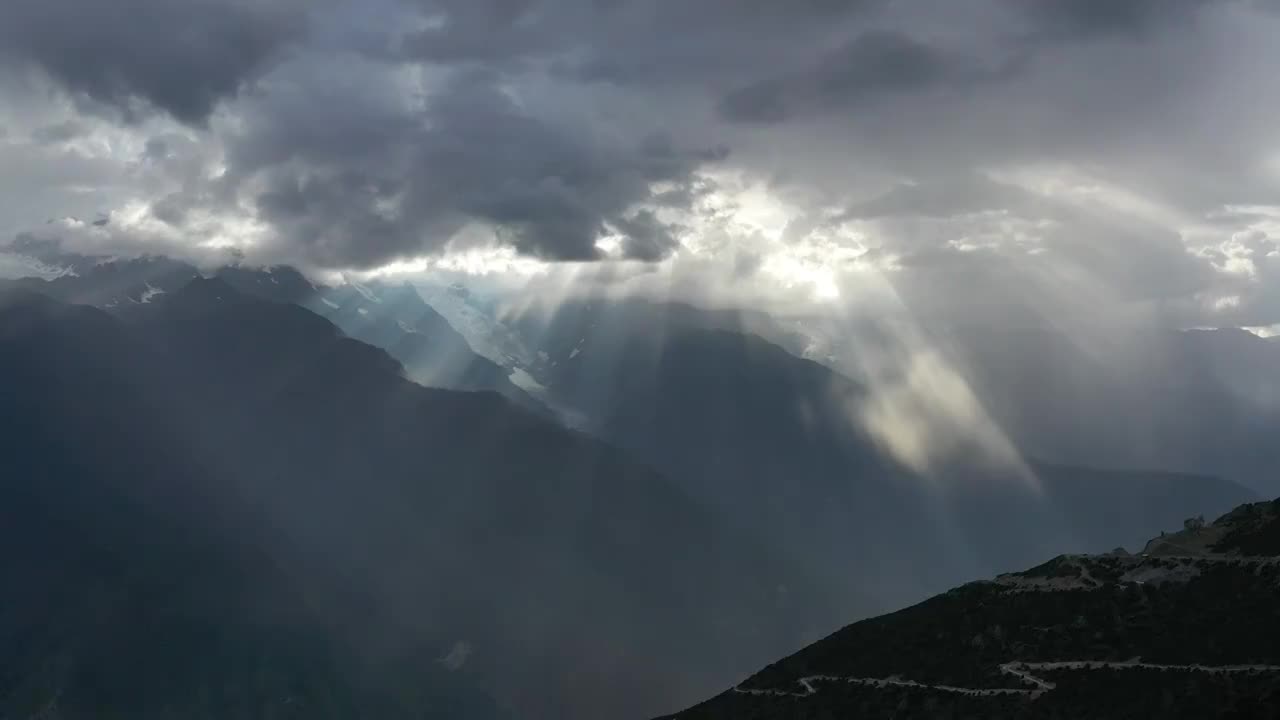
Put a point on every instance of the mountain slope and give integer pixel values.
(112, 284)
(391, 317)
(1199, 401)
(1104, 636)
(779, 445)
(550, 567)
(132, 590)
(395, 318)
(477, 319)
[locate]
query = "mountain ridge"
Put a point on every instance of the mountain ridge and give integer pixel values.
(139, 603)
(777, 443)
(557, 559)
(432, 351)
(1107, 636)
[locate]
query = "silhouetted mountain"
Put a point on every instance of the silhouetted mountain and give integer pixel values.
(392, 317)
(548, 565)
(279, 284)
(1198, 401)
(1184, 635)
(134, 588)
(779, 444)
(553, 566)
(395, 318)
(112, 284)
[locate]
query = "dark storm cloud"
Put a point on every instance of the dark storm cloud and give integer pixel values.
(1083, 139)
(179, 56)
(371, 180)
(1069, 17)
(484, 31)
(875, 66)
(552, 189)
(625, 42)
(868, 68)
(647, 238)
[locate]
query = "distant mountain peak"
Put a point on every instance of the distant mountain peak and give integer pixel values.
(204, 292)
(404, 294)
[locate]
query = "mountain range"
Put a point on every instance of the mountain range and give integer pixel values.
(719, 503)
(394, 317)
(550, 566)
(778, 443)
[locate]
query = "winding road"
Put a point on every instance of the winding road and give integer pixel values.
(1021, 670)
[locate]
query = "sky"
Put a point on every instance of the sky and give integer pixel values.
(994, 161)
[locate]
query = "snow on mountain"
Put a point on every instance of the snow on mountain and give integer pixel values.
(150, 293)
(475, 319)
(366, 292)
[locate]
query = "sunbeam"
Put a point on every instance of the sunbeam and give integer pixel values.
(582, 360)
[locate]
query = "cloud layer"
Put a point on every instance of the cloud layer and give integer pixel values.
(1030, 159)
